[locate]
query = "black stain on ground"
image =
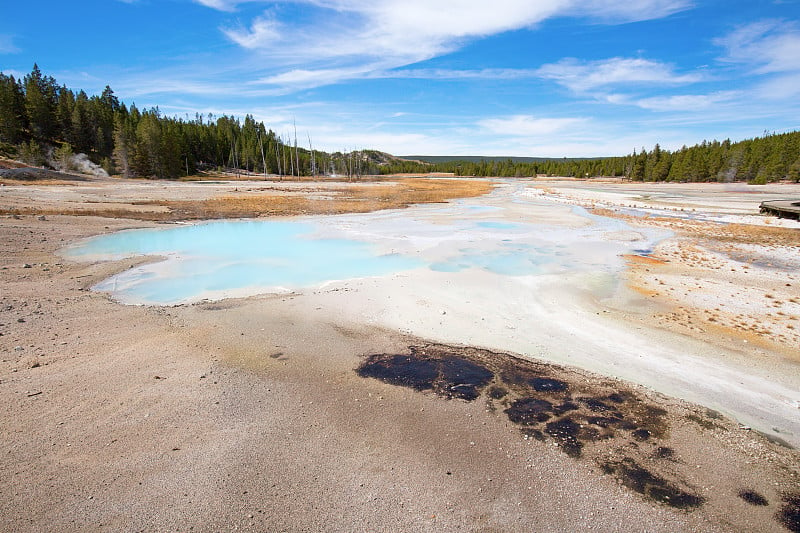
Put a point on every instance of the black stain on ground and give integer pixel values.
(463, 379)
(789, 514)
(450, 377)
(641, 480)
(497, 392)
(548, 385)
(752, 497)
(703, 422)
(530, 411)
(403, 370)
(664, 452)
(548, 402)
(567, 433)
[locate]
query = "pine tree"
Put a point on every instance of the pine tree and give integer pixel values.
(12, 110)
(31, 153)
(63, 157)
(66, 105)
(81, 132)
(40, 104)
(124, 144)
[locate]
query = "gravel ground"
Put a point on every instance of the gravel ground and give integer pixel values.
(250, 415)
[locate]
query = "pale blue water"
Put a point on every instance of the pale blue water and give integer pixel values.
(221, 257)
(499, 225)
(239, 258)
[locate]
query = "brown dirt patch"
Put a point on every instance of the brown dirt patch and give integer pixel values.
(319, 199)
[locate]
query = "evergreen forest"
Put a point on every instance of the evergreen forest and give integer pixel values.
(46, 124)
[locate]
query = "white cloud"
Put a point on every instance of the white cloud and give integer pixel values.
(449, 74)
(614, 10)
(138, 85)
(529, 126)
(580, 76)
(305, 78)
(222, 5)
(262, 32)
(785, 87)
(679, 102)
(769, 46)
(396, 33)
(7, 45)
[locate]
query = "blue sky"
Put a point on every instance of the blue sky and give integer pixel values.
(546, 78)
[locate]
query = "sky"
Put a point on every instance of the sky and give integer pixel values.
(540, 78)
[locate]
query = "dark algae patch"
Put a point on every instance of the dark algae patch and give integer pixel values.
(566, 432)
(655, 487)
(405, 370)
(529, 411)
(463, 379)
(789, 514)
(664, 452)
(548, 385)
(450, 377)
(619, 428)
(753, 498)
(544, 400)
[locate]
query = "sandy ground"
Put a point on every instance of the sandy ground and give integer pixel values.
(249, 413)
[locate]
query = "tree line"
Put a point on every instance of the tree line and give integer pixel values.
(44, 123)
(772, 157)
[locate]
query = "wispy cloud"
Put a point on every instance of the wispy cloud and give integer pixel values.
(679, 102)
(450, 74)
(616, 11)
(302, 78)
(580, 76)
(221, 5)
(529, 126)
(388, 34)
(768, 46)
(784, 87)
(7, 45)
(262, 31)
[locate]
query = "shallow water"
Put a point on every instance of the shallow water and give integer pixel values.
(232, 258)
(240, 258)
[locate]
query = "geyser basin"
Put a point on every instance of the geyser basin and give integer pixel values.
(232, 258)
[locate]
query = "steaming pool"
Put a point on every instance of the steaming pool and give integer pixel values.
(495, 234)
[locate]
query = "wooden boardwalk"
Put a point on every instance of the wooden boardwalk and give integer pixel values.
(781, 208)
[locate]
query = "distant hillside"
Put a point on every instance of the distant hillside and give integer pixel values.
(435, 159)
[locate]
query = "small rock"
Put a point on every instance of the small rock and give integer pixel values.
(41, 217)
(18, 348)
(26, 265)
